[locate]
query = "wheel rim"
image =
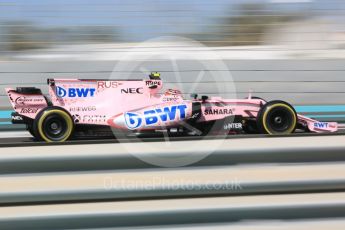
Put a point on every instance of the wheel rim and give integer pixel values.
(280, 120)
(55, 127)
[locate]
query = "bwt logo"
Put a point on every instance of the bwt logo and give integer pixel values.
(321, 125)
(75, 92)
(152, 117)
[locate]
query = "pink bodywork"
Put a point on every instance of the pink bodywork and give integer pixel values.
(138, 105)
(26, 105)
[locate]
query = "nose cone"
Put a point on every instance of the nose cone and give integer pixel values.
(118, 121)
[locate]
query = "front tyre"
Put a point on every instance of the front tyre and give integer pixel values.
(277, 117)
(53, 124)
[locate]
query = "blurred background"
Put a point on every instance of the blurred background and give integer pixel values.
(29, 28)
(292, 50)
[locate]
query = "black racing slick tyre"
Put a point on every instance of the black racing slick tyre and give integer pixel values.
(277, 117)
(53, 124)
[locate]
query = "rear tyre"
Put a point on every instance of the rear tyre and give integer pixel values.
(277, 117)
(53, 124)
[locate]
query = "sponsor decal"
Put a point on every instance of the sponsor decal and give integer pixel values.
(22, 100)
(75, 92)
(320, 125)
(153, 83)
(224, 111)
(76, 118)
(332, 126)
(17, 118)
(172, 92)
(153, 116)
(132, 90)
(29, 110)
(133, 120)
(233, 126)
(170, 99)
(195, 115)
(82, 109)
(94, 118)
(107, 84)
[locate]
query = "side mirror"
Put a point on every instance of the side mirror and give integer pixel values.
(51, 82)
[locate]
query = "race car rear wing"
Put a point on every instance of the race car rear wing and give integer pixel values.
(26, 102)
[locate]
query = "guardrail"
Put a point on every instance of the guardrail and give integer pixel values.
(299, 179)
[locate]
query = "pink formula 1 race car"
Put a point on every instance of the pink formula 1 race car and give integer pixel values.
(77, 106)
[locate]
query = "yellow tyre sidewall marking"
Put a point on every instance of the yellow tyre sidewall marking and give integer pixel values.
(62, 114)
(282, 105)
